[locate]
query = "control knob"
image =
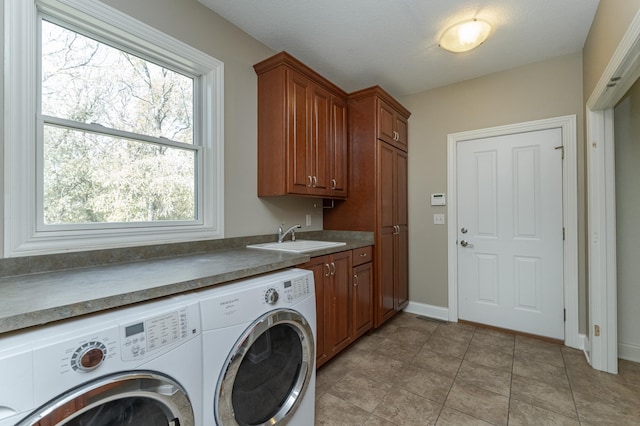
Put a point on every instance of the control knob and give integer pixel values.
(89, 356)
(271, 296)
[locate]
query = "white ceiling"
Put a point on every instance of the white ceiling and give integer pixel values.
(394, 43)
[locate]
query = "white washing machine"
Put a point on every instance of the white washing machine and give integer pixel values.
(139, 365)
(258, 342)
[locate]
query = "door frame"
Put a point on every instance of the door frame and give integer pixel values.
(569, 212)
(620, 74)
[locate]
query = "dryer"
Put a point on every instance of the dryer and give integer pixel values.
(258, 342)
(139, 365)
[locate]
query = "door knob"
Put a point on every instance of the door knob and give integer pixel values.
(464, 243)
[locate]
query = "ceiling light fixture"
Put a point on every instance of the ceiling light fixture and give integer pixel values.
(465, 35)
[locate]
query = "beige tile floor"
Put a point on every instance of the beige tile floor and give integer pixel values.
(419, 372)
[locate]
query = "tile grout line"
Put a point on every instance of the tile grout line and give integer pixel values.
(573, 397)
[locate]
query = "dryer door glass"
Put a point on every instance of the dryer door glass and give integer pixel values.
(126, 411)
(268, 375)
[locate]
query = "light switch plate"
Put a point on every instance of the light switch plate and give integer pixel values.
(438, 219)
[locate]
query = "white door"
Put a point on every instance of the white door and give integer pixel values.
(510, 237)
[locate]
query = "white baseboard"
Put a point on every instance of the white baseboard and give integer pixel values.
(629, 351)
(442, 314)
(431, 311)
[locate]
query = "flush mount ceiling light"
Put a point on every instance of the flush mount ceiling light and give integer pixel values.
(465, 35)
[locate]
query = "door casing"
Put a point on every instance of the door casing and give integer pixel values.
(569, 211)
(620, 74)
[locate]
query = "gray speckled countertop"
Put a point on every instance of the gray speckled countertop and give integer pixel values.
(62, 292)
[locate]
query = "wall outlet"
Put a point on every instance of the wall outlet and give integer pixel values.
(308, 220)
(438, 219)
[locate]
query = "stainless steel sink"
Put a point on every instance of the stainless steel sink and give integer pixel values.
(298, 246)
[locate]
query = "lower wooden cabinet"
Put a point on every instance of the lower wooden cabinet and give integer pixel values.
(362, 305)
(344, 294)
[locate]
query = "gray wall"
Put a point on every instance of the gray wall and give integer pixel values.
(541, 90)
(627, 143)
(611, 22)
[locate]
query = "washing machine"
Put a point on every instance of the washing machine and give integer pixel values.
(133, 366)
(258, 342)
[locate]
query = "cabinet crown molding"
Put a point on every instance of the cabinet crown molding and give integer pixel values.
(382, 94)
(284, 58)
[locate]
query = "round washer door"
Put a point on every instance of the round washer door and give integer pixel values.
(268, 371)
(135, 398)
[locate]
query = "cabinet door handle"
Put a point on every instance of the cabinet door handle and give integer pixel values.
(333, 268)
(328, 270)
(397, 229)
(363, 254)
(333, 184)
(310, 180)
(355, 280)
(315, 181)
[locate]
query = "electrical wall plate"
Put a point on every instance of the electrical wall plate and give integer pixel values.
(438, 200)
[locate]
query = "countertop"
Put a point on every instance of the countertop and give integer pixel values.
(38, 298)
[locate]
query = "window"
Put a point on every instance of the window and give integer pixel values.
(120, 141)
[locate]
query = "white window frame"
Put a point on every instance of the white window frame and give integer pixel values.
(21, 234)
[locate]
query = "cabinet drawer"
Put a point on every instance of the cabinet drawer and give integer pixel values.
(362, 255)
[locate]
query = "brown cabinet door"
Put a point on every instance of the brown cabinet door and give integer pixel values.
(400, 177)
(384, 302)
(338, 166)
(339, 298)
(392, 251)
(318, 151)
(402, 132)
(386, 185)
(386, 122)
(362, 299)
(402, 236)
(300, 178)
(320, 273)
(402, 268)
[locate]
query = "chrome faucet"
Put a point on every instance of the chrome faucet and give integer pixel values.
(281, 234)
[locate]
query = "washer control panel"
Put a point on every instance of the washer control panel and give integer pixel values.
(296, 288)
(147, 336)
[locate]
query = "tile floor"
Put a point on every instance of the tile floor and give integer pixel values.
(420, 372)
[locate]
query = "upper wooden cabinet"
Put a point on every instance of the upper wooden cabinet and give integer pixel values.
(302, 131)
(392, 126)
